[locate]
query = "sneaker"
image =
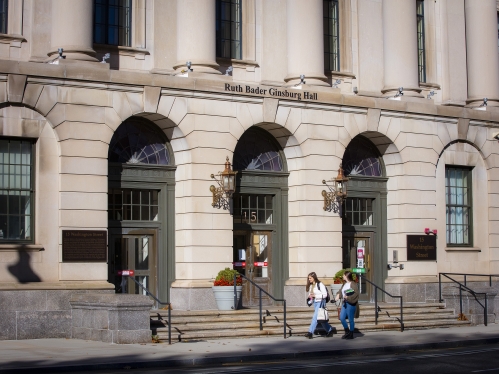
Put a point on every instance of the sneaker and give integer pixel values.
(309, 335)
(330, 333)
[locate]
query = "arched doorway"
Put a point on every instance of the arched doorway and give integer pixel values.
(260, 219)
(141, 210)
(365, 213)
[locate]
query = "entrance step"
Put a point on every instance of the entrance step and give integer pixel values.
(213, 324)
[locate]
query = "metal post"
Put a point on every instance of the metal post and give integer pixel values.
(169, 323)
(284, 319)
(401, 315)
(375, 305)
(261, 323)
(490, 280)
(485, 311)
(235, 293)
(440, 287)
(460, 301)
(465, 279)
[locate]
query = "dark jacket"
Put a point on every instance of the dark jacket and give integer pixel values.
(353, 299)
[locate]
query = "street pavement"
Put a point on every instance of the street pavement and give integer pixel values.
(68, 355)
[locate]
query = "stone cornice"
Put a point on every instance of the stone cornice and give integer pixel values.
(74, 75)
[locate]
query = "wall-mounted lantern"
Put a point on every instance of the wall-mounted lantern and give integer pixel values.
(337, 192)
(226, 181)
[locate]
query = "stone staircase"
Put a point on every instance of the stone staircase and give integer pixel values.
(214, 324)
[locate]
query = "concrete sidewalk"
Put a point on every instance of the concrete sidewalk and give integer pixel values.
(57, 355)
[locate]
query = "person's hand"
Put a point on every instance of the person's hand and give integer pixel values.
(346, 297)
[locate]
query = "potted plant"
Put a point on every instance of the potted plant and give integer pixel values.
(223, 288)
(338, 281)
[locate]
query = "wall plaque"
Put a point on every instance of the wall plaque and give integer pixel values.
(421, 248)
(84, 246)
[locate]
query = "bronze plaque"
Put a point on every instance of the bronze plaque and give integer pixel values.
(421, 248)
(84, 246)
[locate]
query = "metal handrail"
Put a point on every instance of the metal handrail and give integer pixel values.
(466, 288)
(376, 311)
(260, 302)
(148, 293)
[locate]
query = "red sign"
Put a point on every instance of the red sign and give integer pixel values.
(360, 253)
(261, 263)
(240, 264)
(126, 272)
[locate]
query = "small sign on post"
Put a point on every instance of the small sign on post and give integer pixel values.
(359, 270)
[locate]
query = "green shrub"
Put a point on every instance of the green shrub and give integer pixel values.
(226, 278)
(338, 277)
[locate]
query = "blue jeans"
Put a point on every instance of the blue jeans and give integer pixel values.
(313, 325)
(349, 312)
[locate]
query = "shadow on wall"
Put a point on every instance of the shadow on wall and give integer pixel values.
(22, 269)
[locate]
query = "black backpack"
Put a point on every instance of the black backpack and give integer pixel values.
(328, 298)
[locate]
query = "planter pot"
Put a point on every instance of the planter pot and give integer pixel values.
(335, 288)
(224, 296)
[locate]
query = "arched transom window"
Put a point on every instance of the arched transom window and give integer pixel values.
(362, 158)
(257, 150)
(135, 142)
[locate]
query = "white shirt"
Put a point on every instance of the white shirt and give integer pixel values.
(319, 292)
(346, 286)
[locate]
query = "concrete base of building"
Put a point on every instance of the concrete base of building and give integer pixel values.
(473, 308)
(37, 313)
(196, 298)
(117, 318)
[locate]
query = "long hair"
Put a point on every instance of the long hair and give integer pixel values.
(316, 280)
(348, 274)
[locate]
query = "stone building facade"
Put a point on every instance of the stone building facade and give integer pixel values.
(403, 93)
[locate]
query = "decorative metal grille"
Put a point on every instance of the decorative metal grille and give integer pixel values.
(421, 41)
(112, 22)
(16, 189)
(458, 201)
(331, 35)
(256, 150)
(361, 158)
(138, 143)
(228, 26)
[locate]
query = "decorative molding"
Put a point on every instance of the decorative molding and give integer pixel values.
(141, 172)
(14, 40)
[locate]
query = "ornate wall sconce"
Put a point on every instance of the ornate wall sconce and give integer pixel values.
(337, 193)
(226, 181)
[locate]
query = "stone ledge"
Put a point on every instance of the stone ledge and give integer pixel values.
(65, 285)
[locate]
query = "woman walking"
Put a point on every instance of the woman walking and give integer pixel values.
(317, 292)
(349, 293)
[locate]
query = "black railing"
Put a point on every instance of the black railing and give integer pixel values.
(466, 288)
(376, 309)
(148, 293)
(260, 299)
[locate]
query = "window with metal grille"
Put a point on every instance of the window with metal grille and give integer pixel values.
(133, 205)
(358, 212)
(228, 26)
(4, 15)
(421, 41)
(331, 35)
(253, 209)
(112, 22)
(16, 190)
(458, 200)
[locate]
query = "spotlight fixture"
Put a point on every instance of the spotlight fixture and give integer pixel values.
(105, 57)
(226, 180)
(336, 83)
(302, 79)
(484, 103)
(430, 95)
(355, 90)
(188, 64)
(60, 51)
(400, 92)
(337, 193)
(230, 69)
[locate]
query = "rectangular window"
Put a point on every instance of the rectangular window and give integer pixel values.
(458, 200)
(252, 209)
(133, 205)
(4, 13)
(331, 35)
(228, 26)
(358, 212)
(16, 190)
(112, 22)
(421, 42)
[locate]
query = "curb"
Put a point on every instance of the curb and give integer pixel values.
(206, 361)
